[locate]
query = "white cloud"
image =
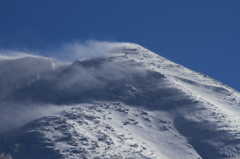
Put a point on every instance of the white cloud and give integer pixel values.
(15, 114)
(88, 49)
(68, 52)
(7, 54)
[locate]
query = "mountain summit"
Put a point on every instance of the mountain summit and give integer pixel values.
(127, 103)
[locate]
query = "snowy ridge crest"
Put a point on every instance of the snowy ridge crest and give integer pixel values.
(127, 103)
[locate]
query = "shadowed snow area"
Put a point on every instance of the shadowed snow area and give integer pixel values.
(126, 103)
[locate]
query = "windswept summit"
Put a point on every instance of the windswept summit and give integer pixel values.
(127, 103)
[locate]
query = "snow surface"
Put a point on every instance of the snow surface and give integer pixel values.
(129, 103)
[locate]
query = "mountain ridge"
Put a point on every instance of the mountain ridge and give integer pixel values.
(179, 113)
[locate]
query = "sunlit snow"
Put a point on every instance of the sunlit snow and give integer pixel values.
(127, 103)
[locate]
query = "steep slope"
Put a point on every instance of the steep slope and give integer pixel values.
(129, 103)
(100, 130)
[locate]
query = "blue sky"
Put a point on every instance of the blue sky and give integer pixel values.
(202, 35)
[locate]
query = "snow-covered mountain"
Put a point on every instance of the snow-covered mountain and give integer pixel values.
(129, 103)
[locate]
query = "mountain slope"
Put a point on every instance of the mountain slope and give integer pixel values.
(101, 130)
(128, 103)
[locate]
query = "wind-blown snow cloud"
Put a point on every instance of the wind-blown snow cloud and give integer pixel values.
(20, 68)
(13, 115)
(10, 54)
(88, 49)
(68, 51)
(16, 66)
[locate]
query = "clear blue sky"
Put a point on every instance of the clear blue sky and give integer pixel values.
(203, 35)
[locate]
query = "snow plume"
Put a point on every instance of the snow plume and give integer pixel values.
(11, 54)
(68, 51)
(88, 49)
(18, 69)
(13, 114)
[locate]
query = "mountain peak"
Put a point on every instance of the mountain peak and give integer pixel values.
(128, 102)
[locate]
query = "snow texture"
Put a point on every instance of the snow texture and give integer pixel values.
(128, 103)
